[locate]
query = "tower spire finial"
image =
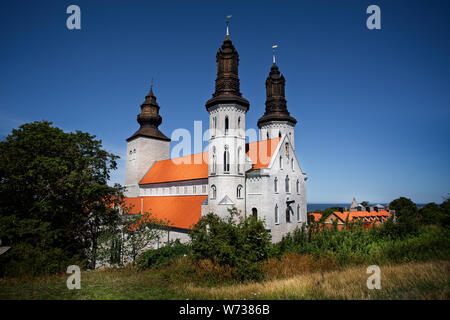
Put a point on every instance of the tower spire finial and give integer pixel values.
(228, 22)
(273, 49)
(151, 85)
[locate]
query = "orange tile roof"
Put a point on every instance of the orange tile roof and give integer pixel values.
(261, 152)
(195, 166)
(180, 211)
(317, 216)
(360, 214)
(191, 167)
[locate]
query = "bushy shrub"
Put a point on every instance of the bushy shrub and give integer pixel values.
(239, 243)
(160, 256)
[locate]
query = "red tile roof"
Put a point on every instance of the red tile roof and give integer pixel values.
(195, 166)
(180, 211)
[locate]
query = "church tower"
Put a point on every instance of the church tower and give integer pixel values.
(276, 120)
(227, 109)
(145, 146)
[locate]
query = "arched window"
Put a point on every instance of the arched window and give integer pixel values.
(214, 125)
(281, 163)
(213, 192)
(297, 185)
(239, 126)
(279, 134)
(239, 192)
(255, 212)
(287, 184)
(226, 124)
(226, 160)
(214, 160)
(292, 164)
(275, 185)
(287, 149)
(268, 136)
(288, 214)
(298, 212)
(239, 161)
(276, 214)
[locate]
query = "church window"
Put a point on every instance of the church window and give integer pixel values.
(276, 214)
(288, 189)
(255, 213)
(268, 136)
(287, 149)
(281, 163)
(292, 164)
(279, 134)
(226, 160)
(226, 125)
(239, 161)
(275, 184)
(239, 192)
(213, 192)
(288, 214)
(298, 212)
(214, 125)
(214, 160)
(298, 186)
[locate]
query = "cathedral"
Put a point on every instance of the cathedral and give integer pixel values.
(262, 178)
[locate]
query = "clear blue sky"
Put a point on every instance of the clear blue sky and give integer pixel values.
(372, 106)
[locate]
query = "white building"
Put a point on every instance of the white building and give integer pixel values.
(262, 178)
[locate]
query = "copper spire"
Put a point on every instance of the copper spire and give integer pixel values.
(276, 109)
(227, 81)
(149, 119)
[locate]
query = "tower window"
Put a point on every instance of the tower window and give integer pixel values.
(226, 125)
(226, 160)
(292, 164)
(214, 160)
(281, 163)
(276, 214)
(288, 214)
(214, 126)
(239, 161)
(268, 136)
(287, 185)
(279, 134)
(239, 192)
(213, 192)
(298, 187)
(275, 184)
(255, 213)
(298, 212)
(287, 149)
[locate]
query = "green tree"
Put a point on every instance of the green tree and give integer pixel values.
(233, 241)
(406, 216)
(430, 214)
(365, 203)
(445, 210)
(54, 197)
(128, 237)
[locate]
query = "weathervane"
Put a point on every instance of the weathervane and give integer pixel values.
(273, 49)
(228, 22)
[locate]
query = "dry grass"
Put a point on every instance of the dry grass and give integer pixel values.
(428, 280)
